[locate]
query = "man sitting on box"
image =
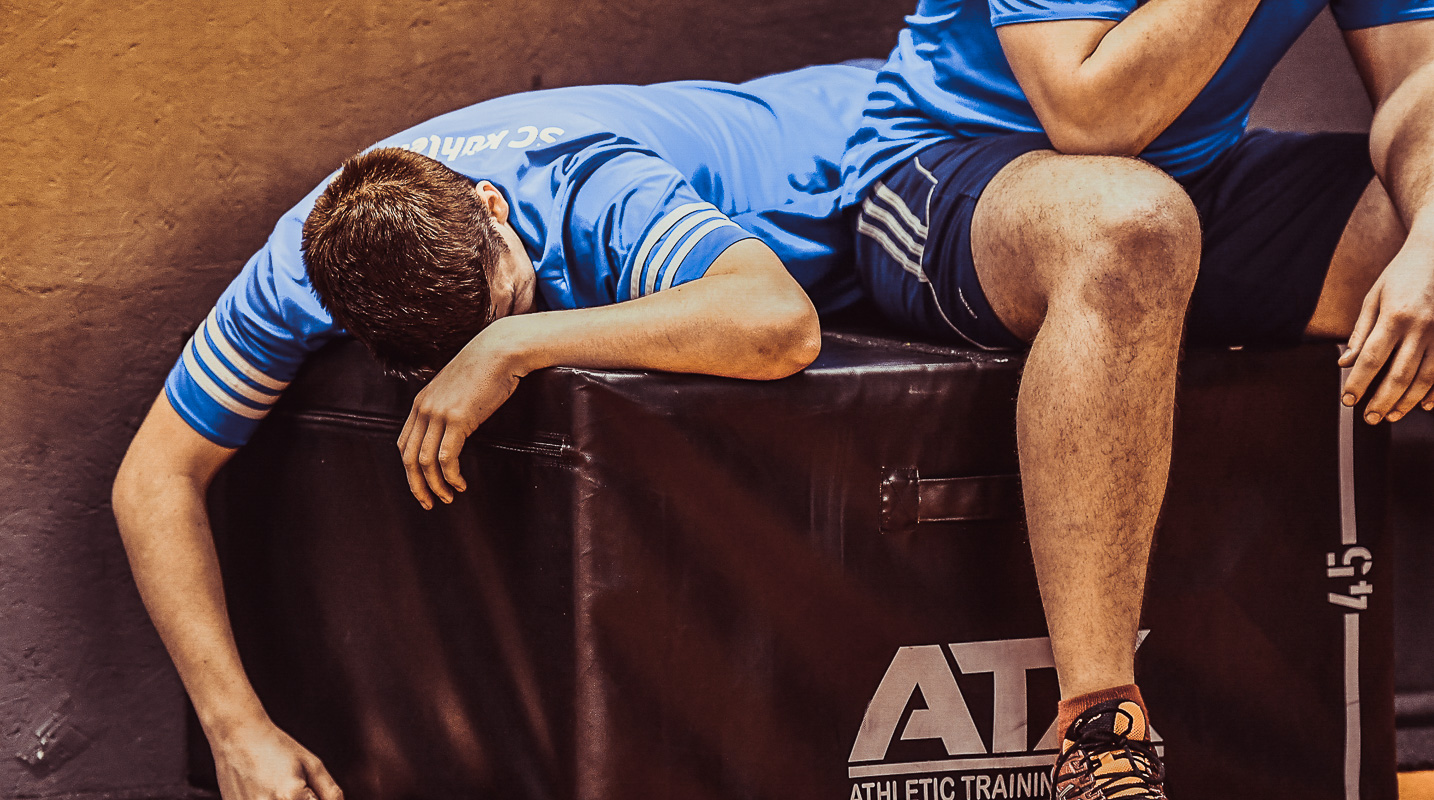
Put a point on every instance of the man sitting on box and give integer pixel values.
(610, 226)
(1002, 206)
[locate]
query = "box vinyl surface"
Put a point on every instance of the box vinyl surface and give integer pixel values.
(668, 586)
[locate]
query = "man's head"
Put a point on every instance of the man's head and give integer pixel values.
(412, 258)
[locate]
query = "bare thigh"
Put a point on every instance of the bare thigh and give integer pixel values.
(1104, 230)
(1370, 240)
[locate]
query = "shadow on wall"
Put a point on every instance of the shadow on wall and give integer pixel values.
(1315, 87)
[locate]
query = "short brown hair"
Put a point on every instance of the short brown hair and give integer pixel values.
(399, 250)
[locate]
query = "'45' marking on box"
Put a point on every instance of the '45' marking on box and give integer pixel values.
(1354, 562)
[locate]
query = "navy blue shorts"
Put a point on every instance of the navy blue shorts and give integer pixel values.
(1272, 208)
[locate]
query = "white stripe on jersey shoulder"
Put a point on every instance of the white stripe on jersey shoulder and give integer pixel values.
(869, 208)
(899, 206)
(236, 358)
(226, 376)
(663, 225)
(215, 392)
(659, 259)
(676, 263)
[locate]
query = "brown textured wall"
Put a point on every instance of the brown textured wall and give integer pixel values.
(147, 149)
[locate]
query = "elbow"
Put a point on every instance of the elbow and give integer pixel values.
(803, 341)
(788, 337)
(137, 485)
(1084, 126)
(124, 501)
(126, 491)
(1095, 138)
(1397, 118)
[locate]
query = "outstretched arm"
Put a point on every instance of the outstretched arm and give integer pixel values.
(1396, 322)
(1102, 88)
(159, 504)
(745, 318)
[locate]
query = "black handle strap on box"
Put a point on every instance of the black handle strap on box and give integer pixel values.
(908, 499)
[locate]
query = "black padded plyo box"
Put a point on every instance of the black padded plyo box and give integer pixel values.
(666, 586)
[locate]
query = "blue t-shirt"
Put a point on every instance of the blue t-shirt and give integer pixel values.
(617, 192)
(948, 76)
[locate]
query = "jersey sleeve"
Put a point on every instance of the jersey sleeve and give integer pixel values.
(1010, 12)
(250, 345)
(638, 222)
(1353, 14)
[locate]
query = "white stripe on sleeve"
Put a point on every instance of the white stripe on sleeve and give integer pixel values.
(663, 225)
(225, 375)
(676, 263)
(240, 363)
(688, 223)
(215, 392)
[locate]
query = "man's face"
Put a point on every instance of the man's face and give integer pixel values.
(513, 282)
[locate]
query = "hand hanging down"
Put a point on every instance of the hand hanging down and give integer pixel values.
(1395, 328)
(464, 394)
(745, 318)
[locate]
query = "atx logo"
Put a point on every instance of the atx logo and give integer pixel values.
(1009, 768)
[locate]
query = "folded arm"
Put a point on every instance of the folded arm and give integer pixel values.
(1396, 322)
(745, 318)
(1105, 88)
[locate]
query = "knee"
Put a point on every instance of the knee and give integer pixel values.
(1143, 238)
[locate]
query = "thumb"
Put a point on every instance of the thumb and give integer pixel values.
(321, 782)
(1363, 326)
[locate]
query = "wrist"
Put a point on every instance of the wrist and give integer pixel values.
(514, 343)
(227, 725)
(1421, 231)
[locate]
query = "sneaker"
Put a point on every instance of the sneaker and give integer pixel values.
(1107, 755)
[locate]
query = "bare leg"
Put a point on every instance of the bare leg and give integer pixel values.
(1094, 258)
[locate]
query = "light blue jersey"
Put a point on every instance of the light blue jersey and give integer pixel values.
(617, 192)
(948, 77)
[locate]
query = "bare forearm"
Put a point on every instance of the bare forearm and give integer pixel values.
(1394, 333)
(159, 505)
(1115, 92)
(727, 325)
(1402, 148)
(746, 318)
(166, 535)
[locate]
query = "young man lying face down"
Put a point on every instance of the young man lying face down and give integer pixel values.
(690, 227)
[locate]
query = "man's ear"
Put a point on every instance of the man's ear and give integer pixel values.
(493, 199)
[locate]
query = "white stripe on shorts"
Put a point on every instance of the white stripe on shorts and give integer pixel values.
(898, 205)
(869, 208)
